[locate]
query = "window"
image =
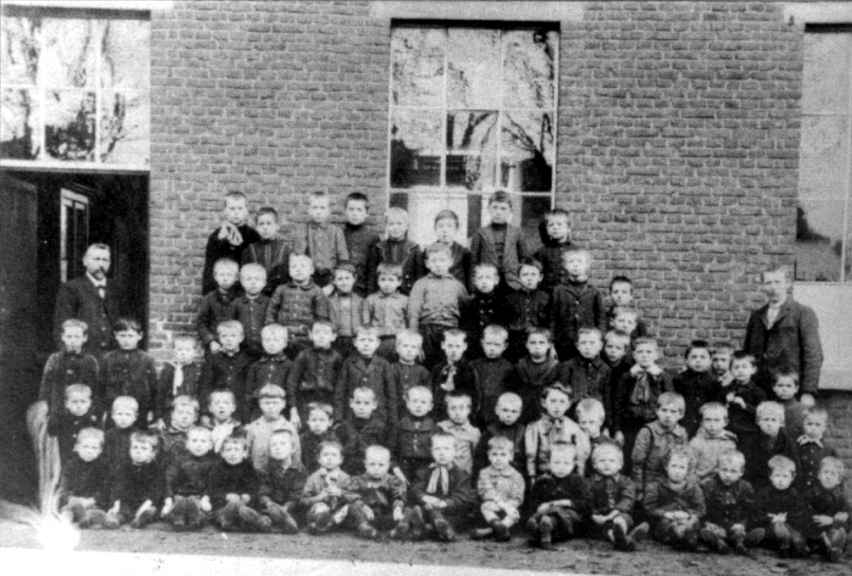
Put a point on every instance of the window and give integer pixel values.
(73, 233)
(472, 109)
(75, 88)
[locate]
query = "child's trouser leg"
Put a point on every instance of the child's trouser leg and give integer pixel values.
(74, 510)
(362, 517)
(281, 516)
(228, 516)
(788, 539)
(251, 519)
(319, 517)
(714, 536)
(443, 528)
(567, 521)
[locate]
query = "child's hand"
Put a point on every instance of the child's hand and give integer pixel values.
(334, 490)
(739, 401)
(369, 514)
(670, 515)
(398, 515)
(231, 233)
(430, 501)
(215, 347)
(168, 504)
(543, 508)
(205, 504)
(294, 418)
(115, 508)
(823, 520)
(841, 517)
(146, 505)
(778, 518)
(159, 425)
(245, 498)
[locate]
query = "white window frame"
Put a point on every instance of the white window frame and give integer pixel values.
(69, 201)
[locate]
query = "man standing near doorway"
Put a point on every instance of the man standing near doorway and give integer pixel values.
(785, 334)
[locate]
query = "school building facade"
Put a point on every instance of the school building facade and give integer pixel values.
(695, 144)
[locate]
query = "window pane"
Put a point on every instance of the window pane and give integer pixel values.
(19, 50)
(473, 68)
(124, 129)
(125, 54)
(825, 77)
(472, 131)
(528, 68)
(417, 56)
(472, 172)
(18, 132)
(415, 148)
(68, 59)
(527, 152)
(69, 125)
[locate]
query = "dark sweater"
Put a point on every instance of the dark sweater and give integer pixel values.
(83, 479)
(493, 377)
(133, 484)
(233, 479)
(62, 369)
(403, 253)
(728, 505)
(189, 475)
(281, 483)
(217, 249)
(373, 373)
(216, 306)
(357, 434)
(251, 313)
(130, 373)
(310, 444)
(612, 493)
(770, 500)
(65, 427)
(463, 381)
(360, 241)
(574, 487)
(533, 378)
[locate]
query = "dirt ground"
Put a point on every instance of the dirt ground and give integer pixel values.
(577, 556)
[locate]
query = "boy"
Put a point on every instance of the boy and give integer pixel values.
(711, 440)
(222, 423)
(228, 368)
(250, 307)
(828, 510)
(376, 498)
(298, 303)
(187, 495)
(233, 489)
(615, 355)
(270, 399)
(124, 414)
(499, 243)
(455, 373)
(137, 490)
(785, 386)
(780, 511)
(315, 372)
(416, 428)
(742, 396)
(621, 296)
(459, 427)
(271, 251)
(406, 372)
(323, 492)
(229, 239)
(364, 427)
(365, 368)
(68, 366)
(272, 368)
(720, 364)
(507, 424)
(282, 484)
(527, 307)
(218, 304)
(435, 302)
(560, 499)
(535, 372)
(612, 498)
(586, 375)
(655, 440)
(501, 490)
(730, 501)
(446, 228)
(675, 504)
(181, 377)
(771, 440)
(84, 482)
(360, 240)
(184, 415)
(395, 250)
(321, 241)
(575, 304)
(494, 374)
(696, 384)
(129, 371)
(345, 308)
(554, 427)
(441, 493)
(387, 309)
(555, 236)
(485, 306)
(79, 413)
(812, 448)
(590, 419)
(319, 429)
(625, 320)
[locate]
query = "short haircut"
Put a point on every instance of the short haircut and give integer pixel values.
(680, 453)
(345, 266)
(646, 341)
(501, 443)
(722, 347)
(458, 395)
(443, 436)
(229, 326)
(587, 331)
(620, 279)
(356, 197)
(447, 215)
(833, 463)
(282, 433)
(378, 451)
(671, 399)
(713, 407)
(510, 398)
(323, 323)
(303, 257)
(625, 311)
(125, 402)
(419, 390)
(186, 400)
(222, 393)
(557, 387)
(768, 408)
(539, 331)
(271, 391)
(388, 269)
(370, 331)
(590, 407)
(785, 372)
(697, 344)
(226, 263)
(396, 212)
(198, 429)
(96, 246)
(437, 248)
(576, 250)
(236, 438)
(145, 437)
(409, 336)
(530, 263)
(743, 355)
(185, 338)
(816, 412)
(556, 213)
(780, 463)
(318, 195)
(90, 433)
(500, 196)
(75, 323)
(496, 331)
(235, 195)
(77, 388)
(125, 323)
(454, 333)
(268, 210)
(617, 335)
(330, 445)
(323, 407)
(786, 271)
(486, 266)
(274, 330)
(608, 447)
(734, 457)
(252, 267)
(363, 391)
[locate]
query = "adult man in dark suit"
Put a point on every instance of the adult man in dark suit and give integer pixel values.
(92, 299)
(784, 333)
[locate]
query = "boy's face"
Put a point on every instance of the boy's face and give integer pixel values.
(344, 281)
(814, 427)
(500, 212)
(184, 351)
(123, 417)
(556, 403)
(576, 264)
(73, 338)
(396, 228)
(376, 465)
(645, 355)
(253, 281)
(781, 479)
(267, 226)
(453, 347)
(485, 280)
(438, 263)
(300, 269)
(222, 407)
(199, 442)
(318, 210)
(507, 412)
(529, 277)
(557, 228)
(499, 458)
(445, 230)
(590, 424)
(363, 405)
(615, 349)
(236, 211)
(607, 463)
(280, 447)
(589, 345)
(366, 343)
(742, 369)
(537, 345)
(388, 283)
(698, 360)
(785, 388)
(322, 336)
(88, 449)
(721, 361)
(776, 286)
(183, 416)
(562, 463)
(78, 404)
(770, 424)
(230, 339)
(458, 410)
(714, 422)
(677, 469)
(443, 451)
(729, 472)
(356, 212)
(418, 403)
(829, 477)
(271, 408)
(493, 346)
(141, 452)
(225, 276)
(318, 422)
(407, 350)
(274, 342)
(233, 452)
(128, 339)
(621, 293)
(330, 458)
(625, 322)
(669, 415)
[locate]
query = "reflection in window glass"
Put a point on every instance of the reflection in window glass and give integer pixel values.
(69, 125)
(18, 132)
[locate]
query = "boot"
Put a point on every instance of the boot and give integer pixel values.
(620, 539)
(501, 531)
(713, 541)
(639, 533)
(444, 531)
(545, 533)
(366, 531)
(754, 537)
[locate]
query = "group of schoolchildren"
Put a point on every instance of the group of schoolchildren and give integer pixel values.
(537, 402)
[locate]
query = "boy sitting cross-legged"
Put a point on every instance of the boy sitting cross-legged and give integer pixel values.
(501, 489)
(138, 488)
(675, 504)
(655, 440)
(613, 497)
(828, 510)
(282, 484)
(712, 439)
(271, 400)
(780, 515)
(508, 425)
(363, 428)
(376, 497)
(416, 428)
(84, 481)
(233, 489)
(730, 505)
(323, 492)
(187, 496)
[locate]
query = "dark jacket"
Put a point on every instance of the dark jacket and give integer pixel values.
(360, 242)
(130, 373)
(189, 475)
(233, 479)
(78, 298)
(532, 379)
(406, 376)
(460, 496)
(822, 501)
(810, 453)
(632, 412)
(83, 479)
(216, 306)
(493, 377)
(550, 256)
(224, 371)
(662, 497)
(217, 249)
(62, 369)
(586, 378)
(483, 249)
(697, 388)
(356, 435)
(403, 253)
(463, 381)
(574, 487)
(575, 305)
(770, 500)
(414, 437)
(274, 256)
(313, 376)
(527, 309)
(515, 433)
(166, 391)
(760, 449)
(612, 493)
(728, 505)
(267, 370)
(479, 311)
(381, 495)
(310, 444)
(373, 373)
(741, 421)
(133, 484)
(117, 447)
(296, 307)
(650, 451)
(65, 426)
(281, 484)
(251, 312)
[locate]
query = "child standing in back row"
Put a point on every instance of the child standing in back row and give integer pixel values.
(499, 243)
(229, 239)
(321, 241)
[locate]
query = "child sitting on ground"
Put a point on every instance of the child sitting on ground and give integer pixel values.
(233, 489)
(501, 490)
(416, 428)
(655, 440)
(828, 510)
(217, 306)
(554, 427)
(386, 310)
(79, 413)
(376, 498)
(84, 483)
(282, 484)
(780, 511)
(314, 374)
(730, 505)
(250, 308)
(137, 490)
(613, 497)
(712, 439)
(272, 368)
(180, 377)
(364, 427)
(272, 402)
(696, 384)
(459, 427)
(320, 428)
(187, 496)
(675, 504)
(129, 371)
(323, 492)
